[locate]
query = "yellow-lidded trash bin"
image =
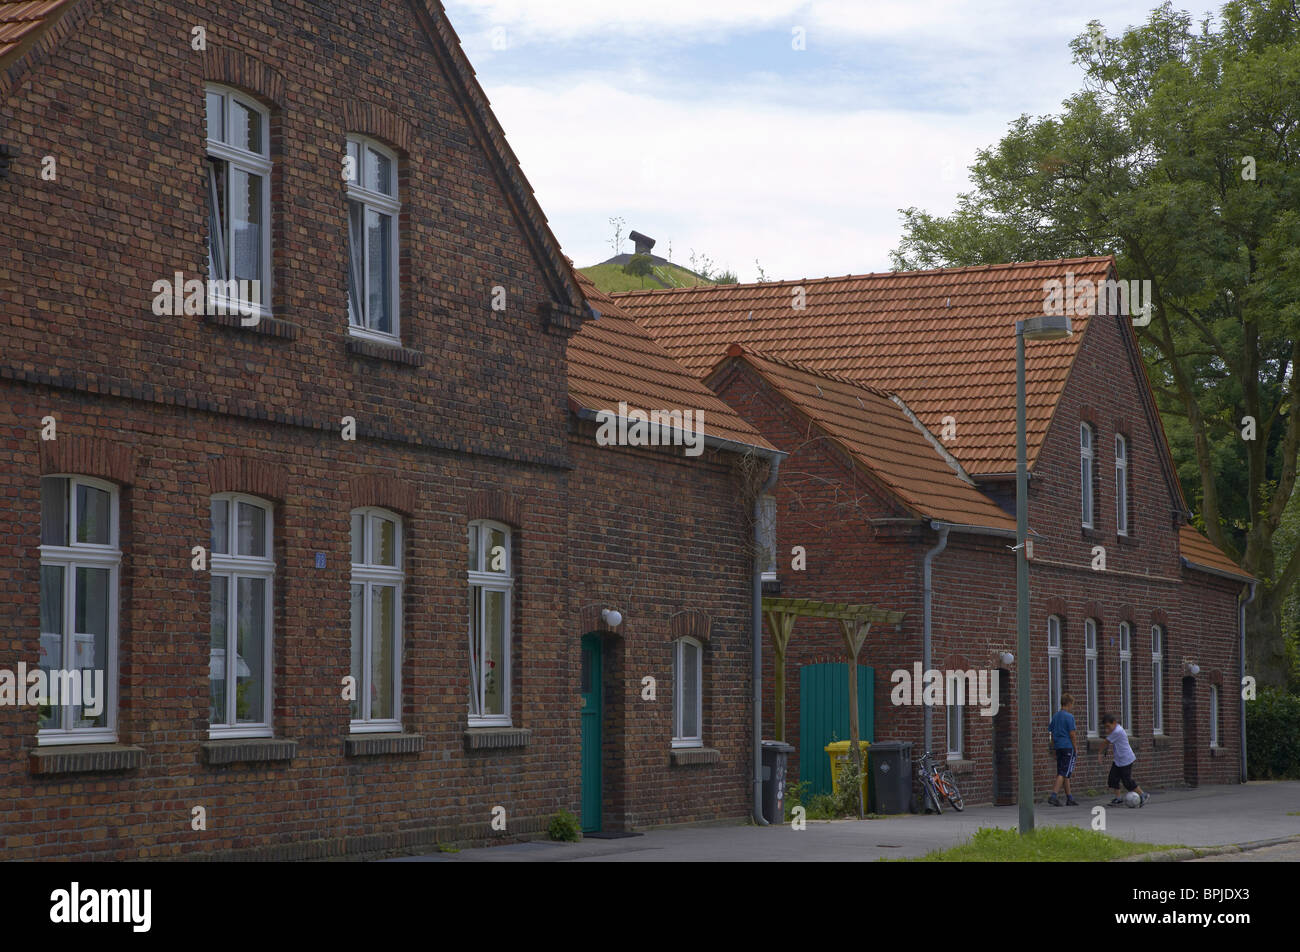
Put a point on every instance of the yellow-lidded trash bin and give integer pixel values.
(839, 755)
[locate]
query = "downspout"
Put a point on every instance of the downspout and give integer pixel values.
(1241, 659)
(926, 615)
(756, 611)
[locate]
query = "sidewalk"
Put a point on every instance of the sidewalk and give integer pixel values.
(1208, 816)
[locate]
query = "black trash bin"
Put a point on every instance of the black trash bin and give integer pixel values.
(889, 769)
(776, 754)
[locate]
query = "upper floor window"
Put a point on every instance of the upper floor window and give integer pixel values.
(767, 537)
(1157, 679)
(1085, 472)
(1090, 676)
(1121, 485)
(490, 584)
(239, 200)
(376, 619)
(80, 564)
(1126, 675)
(688, 693)
(242, 571)
(1053, 663)
(373, 209)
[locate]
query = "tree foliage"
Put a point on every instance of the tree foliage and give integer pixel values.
(1180, 155)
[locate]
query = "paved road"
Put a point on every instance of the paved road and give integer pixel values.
(1208, 816)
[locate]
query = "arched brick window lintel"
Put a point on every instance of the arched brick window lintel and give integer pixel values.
(496, 505)
(89, 456)
(690, 624)
(233, 474)
(1055, 606)
(371, 119)
(383, 492)
(236, 68)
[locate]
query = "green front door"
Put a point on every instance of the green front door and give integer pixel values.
(591, 718)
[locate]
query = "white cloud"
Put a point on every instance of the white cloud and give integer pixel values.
(806, 194)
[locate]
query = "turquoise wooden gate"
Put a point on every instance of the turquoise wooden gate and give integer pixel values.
(824, 717)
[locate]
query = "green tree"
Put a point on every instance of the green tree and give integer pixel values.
(1181, 156)
(638, 266)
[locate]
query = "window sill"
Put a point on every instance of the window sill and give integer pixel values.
(1217, 751)
(266, 326)
(373, 745)
(961, 766)
(85, 758)
(1163, 740)
(248, 750)
(496, 738)
(690, 756)
(393, 353)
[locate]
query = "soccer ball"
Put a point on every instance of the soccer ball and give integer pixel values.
(1131, 800)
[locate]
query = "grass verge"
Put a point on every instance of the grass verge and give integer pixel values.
(1053, 844)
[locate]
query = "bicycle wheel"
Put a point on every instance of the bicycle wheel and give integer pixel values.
(954, 794)
(931, 791)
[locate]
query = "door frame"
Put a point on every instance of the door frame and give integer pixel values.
(594, 643)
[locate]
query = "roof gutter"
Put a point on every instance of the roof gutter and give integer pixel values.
(1198, 567)
(1241, 671)
(943, 529)
(756, 638)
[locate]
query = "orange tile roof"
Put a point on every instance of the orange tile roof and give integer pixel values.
(943, 340)
(1197, 549)
(22, 22)
(614, 359)
(878, 433)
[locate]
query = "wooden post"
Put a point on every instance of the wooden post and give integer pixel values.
(855, 633)
(780, 624)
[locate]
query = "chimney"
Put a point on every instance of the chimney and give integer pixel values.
(644, 245)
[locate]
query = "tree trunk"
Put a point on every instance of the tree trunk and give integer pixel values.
(1265, 647)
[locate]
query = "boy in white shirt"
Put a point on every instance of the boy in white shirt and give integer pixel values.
(1121, 771)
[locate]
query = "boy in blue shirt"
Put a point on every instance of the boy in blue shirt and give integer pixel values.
(1063, 741)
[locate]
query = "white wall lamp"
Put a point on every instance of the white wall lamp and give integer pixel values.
(1191, 667)
(612, 618)
(1007, 658)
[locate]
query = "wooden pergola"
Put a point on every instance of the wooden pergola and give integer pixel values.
(855, 623)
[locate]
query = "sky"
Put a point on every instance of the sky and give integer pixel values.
(781, 134)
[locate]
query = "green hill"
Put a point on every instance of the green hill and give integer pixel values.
(610, 278)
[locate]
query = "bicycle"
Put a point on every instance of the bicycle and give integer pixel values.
(939, 784)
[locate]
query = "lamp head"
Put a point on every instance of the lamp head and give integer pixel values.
(612, 618)
(1047, 327)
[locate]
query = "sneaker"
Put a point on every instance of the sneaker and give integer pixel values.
(1070, 801)
(1145, 798)
(1054, 800)
(1117, 802)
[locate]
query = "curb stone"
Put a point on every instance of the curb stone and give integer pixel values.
(1185, 853)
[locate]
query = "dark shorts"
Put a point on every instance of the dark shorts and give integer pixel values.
(1120, 775)
(1065, 761)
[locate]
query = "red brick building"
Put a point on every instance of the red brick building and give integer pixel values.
(333, 524)
(894, 395)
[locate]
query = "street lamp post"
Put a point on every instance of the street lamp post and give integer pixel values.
(1048, 327)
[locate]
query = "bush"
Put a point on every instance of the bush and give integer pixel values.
(564, 826)
(1273, 736)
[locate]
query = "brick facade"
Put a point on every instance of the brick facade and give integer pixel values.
(862, 546)
(467, 420)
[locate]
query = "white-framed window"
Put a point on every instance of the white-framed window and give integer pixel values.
(1126, 674)
(767, 536)
(1214, 715)
(1053, 663)
(373, 213)
(1121, 485)
(490, 587)
(688, 693)
(1090, 676)
(243, 575)
(1157, 680)
(377, 581)
(80, 568)
(956, 732)
(1085, 472)
(238, 168)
